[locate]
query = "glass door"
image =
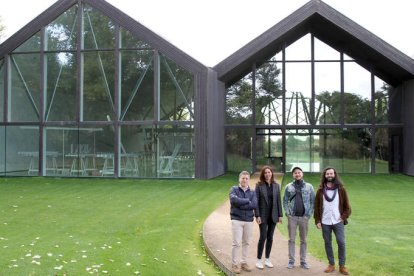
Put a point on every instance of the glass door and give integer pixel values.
(269, 149)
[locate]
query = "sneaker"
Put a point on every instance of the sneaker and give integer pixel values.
(245, 267)
(343, 270)
(268, 263)
(235, 269)
(304, 265)
(259, 264)
(290, 265)
(329, 269)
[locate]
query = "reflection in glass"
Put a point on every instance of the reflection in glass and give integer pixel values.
(1, 90)
(99, 30)
(30, 45)
(22, 150)
(239, 101)
(2, 150)
(176, 92)
(327, 90)
(25, 88)
(138, 151)
(269, 150)
(137, 85)
(381, 150)
(381, 101)
(238, 150)
(61, 87)
(98, 86)
(80, 152)
(131, 41)
(348, 151)
(298, 94)
(269, 94)
(357, 95)
(61, 33)
(175, 152)
(302, 150)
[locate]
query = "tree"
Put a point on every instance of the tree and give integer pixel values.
(240, 95)
(2, 29)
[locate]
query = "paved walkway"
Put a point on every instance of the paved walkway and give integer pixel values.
(218, 239)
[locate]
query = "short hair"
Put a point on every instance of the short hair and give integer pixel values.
(244, 173)
(296, 168)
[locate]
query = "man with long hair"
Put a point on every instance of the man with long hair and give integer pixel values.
(332, 210)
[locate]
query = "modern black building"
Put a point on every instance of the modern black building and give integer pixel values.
(87, 91)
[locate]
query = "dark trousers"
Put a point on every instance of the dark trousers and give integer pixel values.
(339, 232)
(267, 228)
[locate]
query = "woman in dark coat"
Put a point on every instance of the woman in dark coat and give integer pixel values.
(268, 213)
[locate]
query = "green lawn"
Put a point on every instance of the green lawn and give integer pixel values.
(380, 233)
(106, 227)
(56, 226)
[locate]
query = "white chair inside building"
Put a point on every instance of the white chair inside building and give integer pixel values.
(167, 162)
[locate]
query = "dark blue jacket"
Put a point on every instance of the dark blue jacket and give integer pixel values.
(242, 204)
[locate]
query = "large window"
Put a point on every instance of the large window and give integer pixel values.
(312, 109)
(86, 98)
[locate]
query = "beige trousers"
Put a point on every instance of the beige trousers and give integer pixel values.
(242, 235)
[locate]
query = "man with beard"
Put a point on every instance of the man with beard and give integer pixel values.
(332, 210)
(298, 202)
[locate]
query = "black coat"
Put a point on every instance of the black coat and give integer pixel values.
(263, 208)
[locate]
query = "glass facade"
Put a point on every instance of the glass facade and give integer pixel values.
(314, 107)
(86, 98)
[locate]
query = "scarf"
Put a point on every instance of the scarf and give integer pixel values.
(326, 188)
(298, 184)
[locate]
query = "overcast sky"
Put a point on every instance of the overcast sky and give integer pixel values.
(211, 30)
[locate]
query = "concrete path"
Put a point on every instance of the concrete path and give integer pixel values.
(218, 240)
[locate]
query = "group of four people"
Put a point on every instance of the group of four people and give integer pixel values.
(330, 208)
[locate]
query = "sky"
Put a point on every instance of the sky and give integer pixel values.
(212, 30)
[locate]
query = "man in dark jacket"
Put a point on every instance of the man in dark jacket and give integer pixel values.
(331, 213)
(242, 204)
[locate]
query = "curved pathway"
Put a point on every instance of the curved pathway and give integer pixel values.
(218, 239)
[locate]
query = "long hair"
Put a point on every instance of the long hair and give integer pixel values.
(337, 181)
(262, 177)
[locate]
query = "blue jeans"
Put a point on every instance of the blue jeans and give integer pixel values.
(339, 231)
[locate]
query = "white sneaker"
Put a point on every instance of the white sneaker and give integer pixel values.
(268, 263)
(259, 264)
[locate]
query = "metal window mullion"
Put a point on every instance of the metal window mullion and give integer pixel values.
(312, 119)
(342, 97)
(79, 69)
(253, 131)
(157, 104)
(157, 92)
(43, 87)
(284, 108)
(117, 107)
(373, 122)
(7, 81)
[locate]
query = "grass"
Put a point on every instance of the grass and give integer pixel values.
(57, 226)
(379, 236)
(106, 227)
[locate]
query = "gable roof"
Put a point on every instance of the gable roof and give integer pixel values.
(117, 16)
(329, 26)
